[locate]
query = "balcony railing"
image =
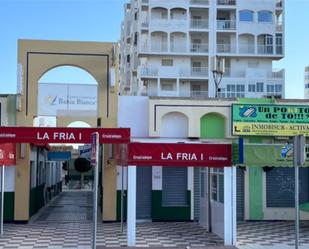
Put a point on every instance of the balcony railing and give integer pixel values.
(275, 74)
(226, 48)
(265, 49)
(200, 2)
(194, 94)
(199, 48)
(228, 73)
(226, 24)
(145, 24)
(199, 24)
(194, 72)
(159, 47)
(246, 49)
(279, 27)
(199, 94)
(226, 2)
(148, 72)
(180, 47)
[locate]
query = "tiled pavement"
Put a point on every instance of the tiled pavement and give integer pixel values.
(66, 223)
(271, 235)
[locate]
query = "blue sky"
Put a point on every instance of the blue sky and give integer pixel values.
(99, 20)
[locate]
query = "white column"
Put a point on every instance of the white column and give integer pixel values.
(131, 215)
(177, 87)
(229, 206)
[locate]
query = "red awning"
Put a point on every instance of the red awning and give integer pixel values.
(175, 154)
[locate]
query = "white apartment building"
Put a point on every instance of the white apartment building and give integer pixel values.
(167, 47)
(306, 80)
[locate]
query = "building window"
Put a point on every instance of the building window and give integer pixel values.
(265, 16)
(246, 16)
(260, 87)
(270, 88)
(237, 90)
(128, 58)
(167, 87)
(278, 88)
(167, 62)
(251, 88)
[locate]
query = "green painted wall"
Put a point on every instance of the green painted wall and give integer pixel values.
(161, 213)
(8, 214)
(118, 207)
(212, 126)
(255, 193)
(36, 199)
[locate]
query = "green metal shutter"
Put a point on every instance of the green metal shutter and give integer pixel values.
(196, 193)
(143, 192)
(174, 186)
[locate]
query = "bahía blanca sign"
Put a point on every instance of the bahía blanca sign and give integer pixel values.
(270, 120)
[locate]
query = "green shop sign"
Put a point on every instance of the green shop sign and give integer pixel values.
(270, 120)
(272, 155)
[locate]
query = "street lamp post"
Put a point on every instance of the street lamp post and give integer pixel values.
(218, 69)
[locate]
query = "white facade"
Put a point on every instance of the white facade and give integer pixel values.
(167, 47)
(306, 80)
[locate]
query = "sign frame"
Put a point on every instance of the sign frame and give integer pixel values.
(276, 126)
(46, 135)
(180, 154)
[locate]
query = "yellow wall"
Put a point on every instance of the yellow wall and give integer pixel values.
(36, 58)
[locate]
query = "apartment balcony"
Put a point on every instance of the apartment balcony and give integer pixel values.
(199, 24)
(194, 94)
(246, 49)
(226, 48)
(164, 23)
(275, 74)
(279, 27)
(199, 48)
(178, 48)
(174, 72)
(266, 49)
(194, 72)
(228, 73)
(199, 2)
(159, 47)
(226, 24)
(226, 2)
(149, 72)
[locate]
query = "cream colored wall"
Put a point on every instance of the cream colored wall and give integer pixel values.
(38, 64)
(193, 109)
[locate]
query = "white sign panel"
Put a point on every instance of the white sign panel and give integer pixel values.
(85, 151)
(67, 100)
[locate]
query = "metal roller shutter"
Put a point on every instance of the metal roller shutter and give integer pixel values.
(196, 193)
(280, 187)
(240, 181)
(143, 192)
(174, 187)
